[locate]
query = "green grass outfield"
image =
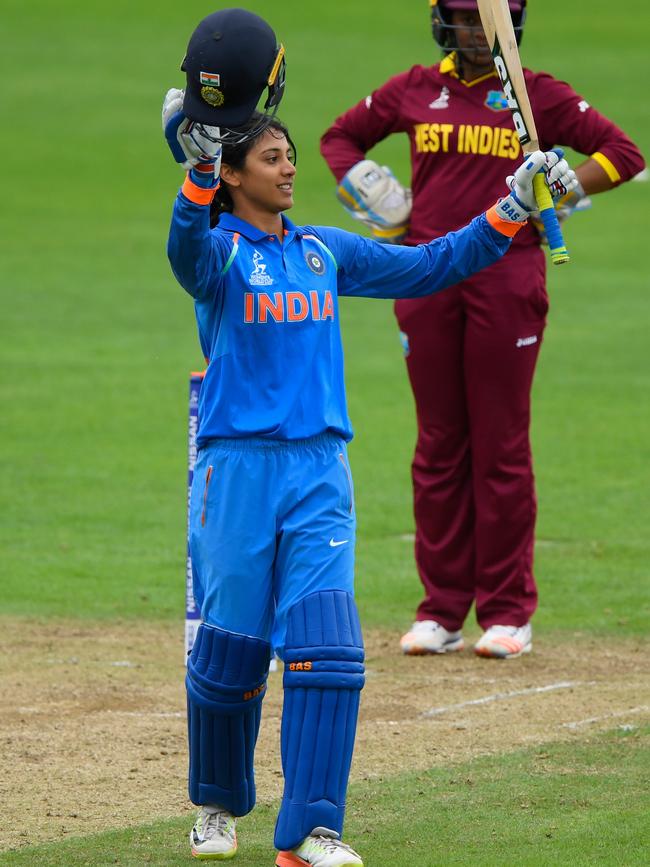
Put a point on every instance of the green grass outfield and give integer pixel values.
(555, 805)
(98, 339)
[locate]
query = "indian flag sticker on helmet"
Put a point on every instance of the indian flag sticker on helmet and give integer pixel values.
(213, 96)
(210, 78)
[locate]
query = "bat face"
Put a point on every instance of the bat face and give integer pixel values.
(509, 93)
(500, 35)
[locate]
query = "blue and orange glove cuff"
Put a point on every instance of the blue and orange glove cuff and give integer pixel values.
(200, 187)
(506, 217)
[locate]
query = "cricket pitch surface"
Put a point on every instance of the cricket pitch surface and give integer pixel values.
(94, 718)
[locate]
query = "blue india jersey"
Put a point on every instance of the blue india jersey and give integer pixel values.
(268, 317)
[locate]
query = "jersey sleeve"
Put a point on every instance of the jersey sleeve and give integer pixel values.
(371, 269)
(196, 255)
(374, 118)
(564, 117)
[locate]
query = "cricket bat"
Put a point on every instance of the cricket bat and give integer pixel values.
(500, 34)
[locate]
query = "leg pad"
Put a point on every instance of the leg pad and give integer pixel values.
(323, 678)
(226, 681)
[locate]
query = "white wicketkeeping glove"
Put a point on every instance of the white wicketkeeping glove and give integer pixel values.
(372, 194)
(521, 203)
(193, 145)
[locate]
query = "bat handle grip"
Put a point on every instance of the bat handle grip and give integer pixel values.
(559, 253)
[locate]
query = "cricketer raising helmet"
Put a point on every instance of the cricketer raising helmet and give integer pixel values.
(444, 32)
(232, 57)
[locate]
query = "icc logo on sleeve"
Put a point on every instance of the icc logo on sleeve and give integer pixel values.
(315, 263)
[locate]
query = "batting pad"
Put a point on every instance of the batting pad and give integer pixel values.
(226, 681)
(323, 678)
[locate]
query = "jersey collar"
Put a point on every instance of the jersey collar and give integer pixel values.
(448, 66)
(233, 224)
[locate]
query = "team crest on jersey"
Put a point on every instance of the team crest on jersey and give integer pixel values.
(442, 101)
(496, 100)
(315, 262)
(258, 276)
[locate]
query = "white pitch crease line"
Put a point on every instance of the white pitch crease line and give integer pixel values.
(501, 696)
(614, 715)
(175, 714)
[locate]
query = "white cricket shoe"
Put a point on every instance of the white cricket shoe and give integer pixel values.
(505, 642)
(213, 836)
(429, 636)
(322, 848)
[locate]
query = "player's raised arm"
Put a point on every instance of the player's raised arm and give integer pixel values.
(232, 59)
(194, 254)
(369, 269)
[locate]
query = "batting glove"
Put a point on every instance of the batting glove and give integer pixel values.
(560, 177)
(521, 203)
(193, 145)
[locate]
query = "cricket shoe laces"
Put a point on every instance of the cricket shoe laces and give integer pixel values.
(321, 848)
(213, 835)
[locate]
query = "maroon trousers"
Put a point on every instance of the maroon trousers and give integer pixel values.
(471, 357)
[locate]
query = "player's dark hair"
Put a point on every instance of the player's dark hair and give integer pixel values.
(234, 155)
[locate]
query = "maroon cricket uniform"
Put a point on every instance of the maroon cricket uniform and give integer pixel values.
(471, 350)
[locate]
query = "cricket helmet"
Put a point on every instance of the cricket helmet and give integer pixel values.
(232, 57)
(444, 31)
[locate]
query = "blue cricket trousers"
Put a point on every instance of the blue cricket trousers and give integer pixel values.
(271, 521)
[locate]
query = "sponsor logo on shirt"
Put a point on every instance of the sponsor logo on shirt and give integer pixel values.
(496, 100)
(259, 277)
(265, 307)
(583, 105)
(442, 101)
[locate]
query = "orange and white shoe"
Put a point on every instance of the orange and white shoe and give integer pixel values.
(505, 642)
(429, 636)
(322, 848)
(213, 837)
